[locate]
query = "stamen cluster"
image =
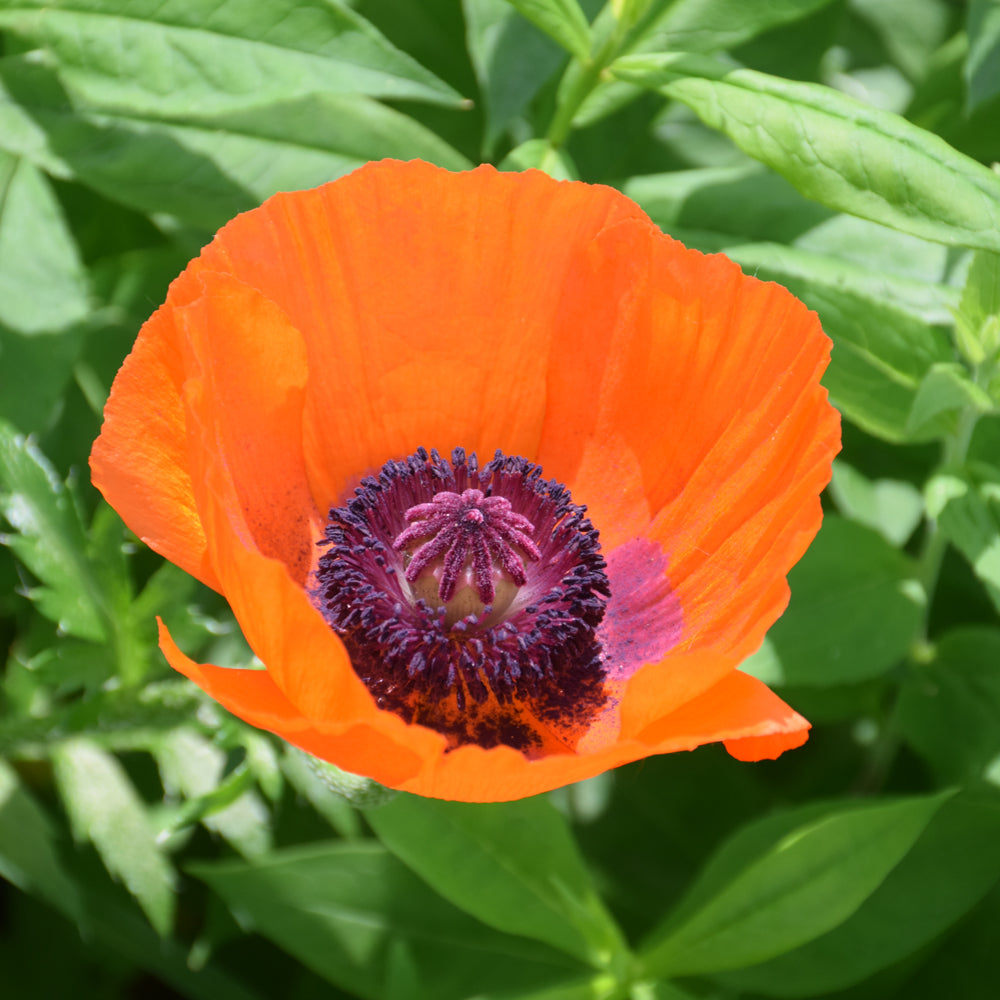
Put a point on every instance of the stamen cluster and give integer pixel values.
(531, 680)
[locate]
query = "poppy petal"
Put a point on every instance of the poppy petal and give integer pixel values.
(418, 334)
(253, 696)
(251, 368)
(139, 462)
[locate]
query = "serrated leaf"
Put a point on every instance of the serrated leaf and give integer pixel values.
(982, 65)
(356, 916)
(187, 60)
(202, 174)
(513, 865)
(105, 809)
(809, 882)
(48, 538)
(892, 507)
(37, 253)
(559, 19)
(834, 149)
(28, 851)
(855, 611)
(192, 767)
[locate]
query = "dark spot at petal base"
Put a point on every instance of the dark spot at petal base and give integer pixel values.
(534, 679)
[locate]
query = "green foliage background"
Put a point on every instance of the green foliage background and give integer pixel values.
(151, 845)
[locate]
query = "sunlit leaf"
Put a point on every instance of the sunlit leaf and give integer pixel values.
(189, 59)
(834, 149)
(892, 507)
(105, 810)
(48, 538)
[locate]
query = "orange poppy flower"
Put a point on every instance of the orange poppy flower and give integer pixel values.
(651, 437)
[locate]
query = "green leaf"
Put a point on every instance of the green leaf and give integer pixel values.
(834, 149)
(512, 60)
(334, 808)
(977, 321)
(969, 516)
(538, 154)
(692, 26)
(806, 884)
(923, 300)
(105, 809)
(881, 353)
(854, 613)
(946, 389)
(892, 507)
(43, 286)
(513, 865)
(192, 767)
(949, 869)
(746, 202)
(949, 708)
(187, 61)
(28, 849)
(202, 174)
(359, 918)
(562, 20)
(982, 66)
(48, 538)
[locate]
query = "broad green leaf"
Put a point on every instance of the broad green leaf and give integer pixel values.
(202, 174)
(924, 301)
(42, 281)
(362, 920)
(538, 154)
(949, 869)
(947, 388)
(28, 850)
(104, 809)
(982, 66)
(969, 515)
(949, 708)
(806, 884)
(191, 766)
(513, 865)
(855, 610)
(512, 60)
(892, 507)
(560, 19)
(746, 202)
(690, 26)
(881, 353)
(48, 538)
(835, 149)
(187, 60)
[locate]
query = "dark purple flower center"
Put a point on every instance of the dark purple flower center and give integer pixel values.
(469, 599)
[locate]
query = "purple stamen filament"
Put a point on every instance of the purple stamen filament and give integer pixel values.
(457, 525)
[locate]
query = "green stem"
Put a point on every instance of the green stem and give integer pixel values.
(588, 76)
